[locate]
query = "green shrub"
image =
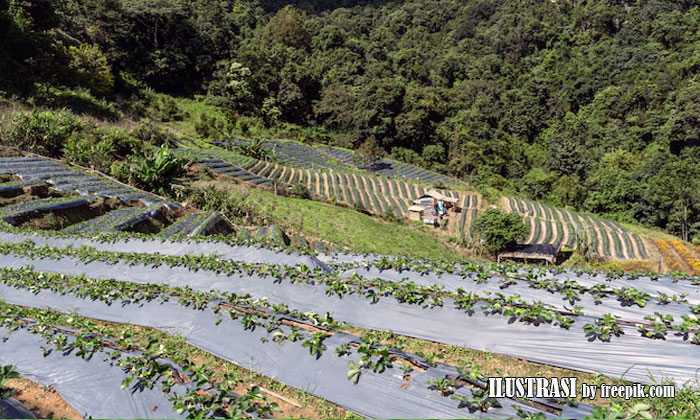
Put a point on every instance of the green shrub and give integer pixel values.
(99, 148)
(41, 132)
(156, 170)
(405, 155)
(231, 200)
(92, 68)
(166, 110)
(490, 194)
(152, 134)
(79, 101)
(498, 230)
(299, 190)
(434, 153)
(254, 148)
(120, 170)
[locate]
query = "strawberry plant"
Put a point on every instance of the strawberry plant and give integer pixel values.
(430, 357)
(690, 324)
(663, 299)
(444, 385)
(629, 296)
(372, 357)
(659, 325)
(603, 329)
(315, 344)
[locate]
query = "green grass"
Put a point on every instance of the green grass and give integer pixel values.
(348, 228)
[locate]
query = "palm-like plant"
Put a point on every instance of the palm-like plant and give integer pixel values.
(255, 148)
(157, 171)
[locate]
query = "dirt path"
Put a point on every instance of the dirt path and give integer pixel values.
(308, 179)
(599, 236)
(283, 173)
(636, 252)
(505, 203)
(326, 185)
(531, 232)
(43, 402)
(317, 183)
(289, 176)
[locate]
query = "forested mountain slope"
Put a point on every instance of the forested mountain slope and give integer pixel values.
(593, 105)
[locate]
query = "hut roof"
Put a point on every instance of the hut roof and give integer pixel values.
(438, 196)
(547, 252)
(416, 208)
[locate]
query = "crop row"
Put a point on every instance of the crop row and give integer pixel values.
(278, 325)
(206, 393)
(371, 288)
(562, 226)
(374, 194)
(252, 313)
(63, 178)
(387, 168)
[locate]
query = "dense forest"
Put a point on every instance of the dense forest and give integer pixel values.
(591, 104)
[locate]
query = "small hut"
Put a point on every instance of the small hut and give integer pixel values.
(416, 212)
(532, 252)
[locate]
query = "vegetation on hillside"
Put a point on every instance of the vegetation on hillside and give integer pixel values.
(592, 105)
(341, 226)
(498, 230)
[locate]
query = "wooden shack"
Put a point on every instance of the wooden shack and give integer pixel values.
(532, 252)
(427, 199)
(416, 212)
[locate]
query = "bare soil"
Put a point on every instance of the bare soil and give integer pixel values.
(43, 402)
(30, 193)
(60, 219)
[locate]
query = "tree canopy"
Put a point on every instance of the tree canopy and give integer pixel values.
(589, 104)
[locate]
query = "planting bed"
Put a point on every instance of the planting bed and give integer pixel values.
(373, 194)
(286, 315)
(388, 168)
(289, 346)
(49, 195)
(560, 226)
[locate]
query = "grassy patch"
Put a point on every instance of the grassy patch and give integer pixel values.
(192, 110)
(339, 225)
(356, 231)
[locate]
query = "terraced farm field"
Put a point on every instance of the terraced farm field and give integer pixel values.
(377, 195)
(470, 211)
(388, 168)
(326, 157)
(255, 312)
(211, 293)
(551, 225)
(87, 204)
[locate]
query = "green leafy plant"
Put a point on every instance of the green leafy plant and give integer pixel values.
(499, 230)
(7, 372)
(603, 329)
(157, 170)
(659, 325)
(40, 132)
(315, 343)
(629, 296)
(254, 148)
